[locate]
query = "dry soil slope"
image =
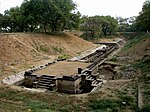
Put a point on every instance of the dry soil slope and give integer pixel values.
(20, 47)
(140, 50)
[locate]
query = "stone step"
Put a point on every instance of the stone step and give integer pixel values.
(94, 82)
(90, 78)
(45, 87)
(47, 76)
(46, 82)
(43, 84)
(45, 79)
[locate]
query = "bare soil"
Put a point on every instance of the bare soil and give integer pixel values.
(20, 51)
(139, 51)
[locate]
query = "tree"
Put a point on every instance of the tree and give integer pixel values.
(16, 19)
(92, 26)
(47, 15)
(53, 13)
(6, 22)
(143, 20)
(1, 17)
(98, 24)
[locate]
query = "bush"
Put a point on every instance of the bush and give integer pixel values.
(63, 57)
(57, 49)
(44, 49)
(114, 58)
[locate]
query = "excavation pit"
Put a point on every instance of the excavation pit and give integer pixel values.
(76, 76)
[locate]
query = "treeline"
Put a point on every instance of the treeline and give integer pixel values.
(141, 23)
(59, 15)
(43, 15)
(98, 25)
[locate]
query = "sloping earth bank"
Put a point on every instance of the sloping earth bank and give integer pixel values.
(20, 51)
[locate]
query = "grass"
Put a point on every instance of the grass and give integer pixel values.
(57, 49)
(24, 101)
(63, 57)
(38, 106)
(105, 105)
(145, 108)
(113, 105)
(44, 48)
(120, 101)
(134, 40)
(144, 67)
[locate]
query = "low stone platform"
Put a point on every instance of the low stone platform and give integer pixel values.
(63, 68)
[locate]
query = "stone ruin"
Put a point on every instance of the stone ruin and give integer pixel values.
(86, 80)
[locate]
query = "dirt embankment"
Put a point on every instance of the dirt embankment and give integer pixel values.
(23, 50)
(135, 51)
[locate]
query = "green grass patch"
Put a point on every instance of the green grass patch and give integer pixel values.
(44, 48)
(57, 49)
(38, 106)
(128, 99)
(135, 40)
(67, 108)
(12, 95)
(113, 105)
(63, 57)
(143, 65)
(105, 105)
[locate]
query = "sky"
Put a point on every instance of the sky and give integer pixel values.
(115, 8)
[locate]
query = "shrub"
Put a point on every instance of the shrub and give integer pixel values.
(44, 49)
(57, 49)
(63, 57)
(114, 58)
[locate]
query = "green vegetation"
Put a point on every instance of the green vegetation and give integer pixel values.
(57, 49)
(44, 48)
(15, 101)
(94, 26)
(143, 20)
(113, 58)
(38, 106)
(135, 40)
(105, 105)
(40, 15)
(146, 108)
(144, 67)
(112, 105)
(63, 57)
(140, 23)
(57, 15)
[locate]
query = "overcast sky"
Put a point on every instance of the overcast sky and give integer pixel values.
(123, 8)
